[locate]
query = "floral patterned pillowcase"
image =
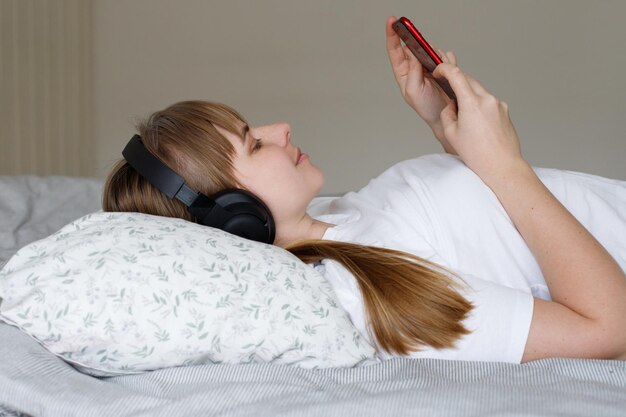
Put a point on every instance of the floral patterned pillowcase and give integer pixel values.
(122, 293)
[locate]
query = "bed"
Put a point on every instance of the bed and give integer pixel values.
(35, 382)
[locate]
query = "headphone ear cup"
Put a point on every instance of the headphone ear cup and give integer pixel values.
(241, 213)
(248, 226)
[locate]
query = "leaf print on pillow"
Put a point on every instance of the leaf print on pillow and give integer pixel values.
(121, 293)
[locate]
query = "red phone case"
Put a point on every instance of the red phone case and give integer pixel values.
(422, 50)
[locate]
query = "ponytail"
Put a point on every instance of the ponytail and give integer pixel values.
(410, 301)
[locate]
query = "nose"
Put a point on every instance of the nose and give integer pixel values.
(279, 133)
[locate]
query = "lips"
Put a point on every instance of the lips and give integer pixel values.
(298, 155)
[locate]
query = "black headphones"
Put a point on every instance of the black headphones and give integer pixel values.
(232, 210)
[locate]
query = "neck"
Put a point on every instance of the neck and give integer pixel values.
(307, 228)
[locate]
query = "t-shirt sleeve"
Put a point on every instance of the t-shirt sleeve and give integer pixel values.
(499, 324)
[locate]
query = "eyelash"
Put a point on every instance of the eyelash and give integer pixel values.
(257, 145)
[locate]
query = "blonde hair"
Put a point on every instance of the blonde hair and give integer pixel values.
(410, 301)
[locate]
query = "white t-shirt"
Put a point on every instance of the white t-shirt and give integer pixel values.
(437, 208)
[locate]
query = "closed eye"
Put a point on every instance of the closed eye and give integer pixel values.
(257, 145)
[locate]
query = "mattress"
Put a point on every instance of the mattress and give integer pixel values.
(35, 382)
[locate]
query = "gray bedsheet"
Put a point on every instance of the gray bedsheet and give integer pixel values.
(33, 207)
(36, 382)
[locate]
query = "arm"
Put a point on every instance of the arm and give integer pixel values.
(418, 88)
(587, 317)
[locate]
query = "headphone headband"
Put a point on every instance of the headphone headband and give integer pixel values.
(234, 210)
(157, 173)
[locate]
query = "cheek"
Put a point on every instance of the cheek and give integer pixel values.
(284, 182)
(280, 189)
(281, 180)
(275, 179)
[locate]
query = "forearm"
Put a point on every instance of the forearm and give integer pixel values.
(587, 314)
(579, 272)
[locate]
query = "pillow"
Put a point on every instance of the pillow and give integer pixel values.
(123, 293)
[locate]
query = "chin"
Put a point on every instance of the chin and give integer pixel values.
(320, 183)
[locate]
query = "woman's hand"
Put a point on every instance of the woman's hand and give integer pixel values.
(479, 129)
(417, 86)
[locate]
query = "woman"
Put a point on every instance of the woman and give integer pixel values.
(461, 256)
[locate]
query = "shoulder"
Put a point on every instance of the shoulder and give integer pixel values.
(432, 171)
(443, 178)
(427, 164)
(412, 173)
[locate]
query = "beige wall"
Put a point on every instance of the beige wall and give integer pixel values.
(46, 87)
(322, 66)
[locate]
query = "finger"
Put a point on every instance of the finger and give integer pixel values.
(393, 40)
(443, 56)
(395, 51)
(448, 117)
(407, 52)
(457, 80)
(415, 75)
(410, 56)
(451, 57)
(476, 86)
(448, 57)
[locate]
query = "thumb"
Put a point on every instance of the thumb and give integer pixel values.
(415, 77)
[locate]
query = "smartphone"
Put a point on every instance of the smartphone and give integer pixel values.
(424, 53)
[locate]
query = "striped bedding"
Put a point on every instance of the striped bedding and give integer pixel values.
(34, 382)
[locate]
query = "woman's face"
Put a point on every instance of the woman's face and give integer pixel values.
(271, 167)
